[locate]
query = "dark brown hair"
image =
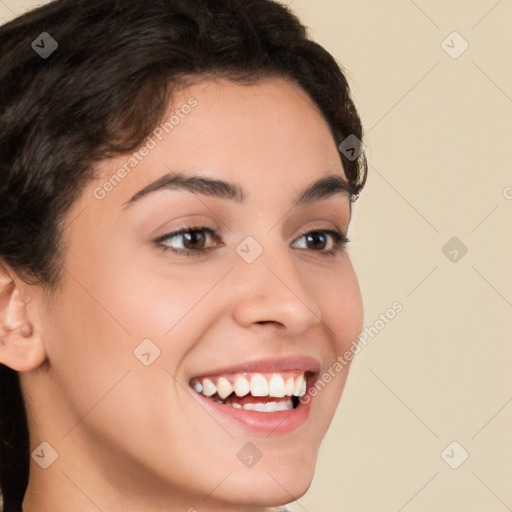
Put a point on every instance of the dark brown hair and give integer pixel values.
(100, 94)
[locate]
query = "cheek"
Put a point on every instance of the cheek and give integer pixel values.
(87, 336)
(126, 312)
(143, 296)
(339, 298)
(171, 305)
(96, 375)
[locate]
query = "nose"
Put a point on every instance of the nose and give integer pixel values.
(270, 290)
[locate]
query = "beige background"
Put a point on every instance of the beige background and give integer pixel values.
(439, 137)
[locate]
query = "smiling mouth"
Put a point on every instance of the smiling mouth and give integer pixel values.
(261, 392)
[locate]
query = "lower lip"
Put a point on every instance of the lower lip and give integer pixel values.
(270, 423)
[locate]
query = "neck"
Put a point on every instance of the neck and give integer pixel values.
(59, 490)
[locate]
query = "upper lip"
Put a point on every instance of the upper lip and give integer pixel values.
(291, 363)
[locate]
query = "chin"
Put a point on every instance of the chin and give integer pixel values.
(268, 492)
(278, 482)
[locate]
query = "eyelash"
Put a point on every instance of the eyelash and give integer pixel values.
(340, 240)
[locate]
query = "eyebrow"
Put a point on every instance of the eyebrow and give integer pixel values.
(325, 187)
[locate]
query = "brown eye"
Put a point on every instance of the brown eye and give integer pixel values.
(192, 240)
(316, 240)
(323, 241)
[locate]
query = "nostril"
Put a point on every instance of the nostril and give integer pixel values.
(265, 322)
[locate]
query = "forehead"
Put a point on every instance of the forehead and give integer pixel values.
(268, 136)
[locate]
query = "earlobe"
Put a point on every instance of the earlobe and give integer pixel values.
(20, 347)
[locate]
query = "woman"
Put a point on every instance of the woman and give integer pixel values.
(176, 188)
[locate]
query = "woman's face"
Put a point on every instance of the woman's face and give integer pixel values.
(137, 323)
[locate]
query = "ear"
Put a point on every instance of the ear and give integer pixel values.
(20, 345)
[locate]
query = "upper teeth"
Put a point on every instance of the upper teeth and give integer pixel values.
(258, 384)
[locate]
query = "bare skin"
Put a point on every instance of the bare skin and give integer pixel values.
(131, 437)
